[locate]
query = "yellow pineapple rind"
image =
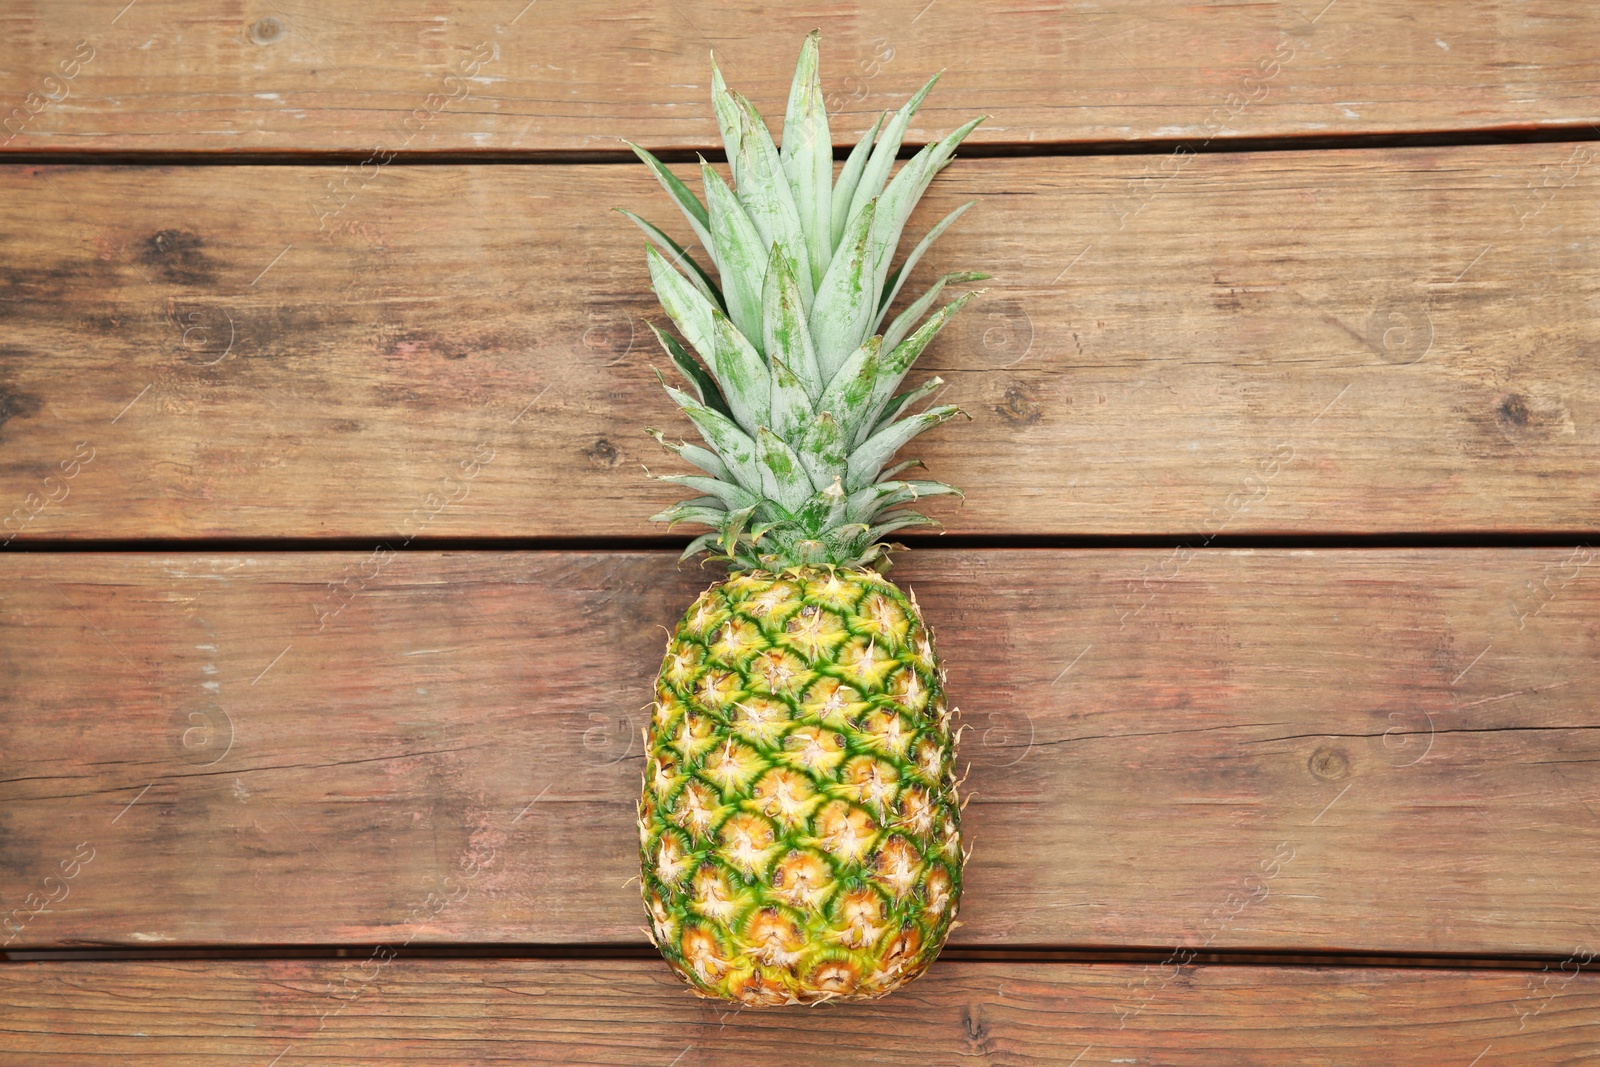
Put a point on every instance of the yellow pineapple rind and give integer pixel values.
(799, 820)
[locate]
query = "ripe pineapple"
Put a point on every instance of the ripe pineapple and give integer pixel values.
(799, 826)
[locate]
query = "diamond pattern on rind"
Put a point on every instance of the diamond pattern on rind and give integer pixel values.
(819, 771)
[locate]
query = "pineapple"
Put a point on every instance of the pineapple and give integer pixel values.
(799, 825)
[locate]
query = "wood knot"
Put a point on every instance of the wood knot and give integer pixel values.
(1513, 411)
(602, 453)
(973, 1026)
(1019, 406)
(179, 255)
(266, 31)
(1329, 763)
(15, 405)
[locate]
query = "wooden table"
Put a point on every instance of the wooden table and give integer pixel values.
(329, 607)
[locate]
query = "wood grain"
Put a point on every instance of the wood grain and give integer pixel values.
(412, 1012)
(1333, 342)
(296, 76)
(1386, 751)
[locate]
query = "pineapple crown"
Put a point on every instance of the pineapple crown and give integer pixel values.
(795, 397)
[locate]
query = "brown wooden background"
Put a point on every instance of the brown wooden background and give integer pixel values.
(1272, 608)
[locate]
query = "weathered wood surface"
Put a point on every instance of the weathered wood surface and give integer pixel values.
(1345, 750)
(516, 76)
(1328, 342)
(409, 1012)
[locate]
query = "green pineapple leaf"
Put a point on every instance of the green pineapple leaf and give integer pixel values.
(791, 407)
(759, 180)
(732, 445)
(745, 380)
(786, 333)
(783, 475)
(705, 387)
(908, 319)
(871, 501)
(703, 458)
(763, 189)
(807, 156)
(692, 209)
(686, 511)
(898, 278)
(866, 461)
(697, 276)
(688, 308)
(733, 527)
(904, 465)
(727, 113)
(896, 203)
(898, 404)
(876, 172)
(703, 543)
(737, 251)
(893, 364)
(847, 301)
(900, 521)
(732, 496)
(850, 391)
(822, 450)
(844, 189)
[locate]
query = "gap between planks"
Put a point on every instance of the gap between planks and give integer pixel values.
(1575, 133)
(953, 542)
(951, 954)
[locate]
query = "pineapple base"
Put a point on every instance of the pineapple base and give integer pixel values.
(799, 825)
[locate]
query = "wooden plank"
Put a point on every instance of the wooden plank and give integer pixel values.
(1344, 750)
(1332, 342)
(482, 77)
(413, 1012)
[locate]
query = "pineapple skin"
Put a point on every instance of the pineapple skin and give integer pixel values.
(799, 824)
